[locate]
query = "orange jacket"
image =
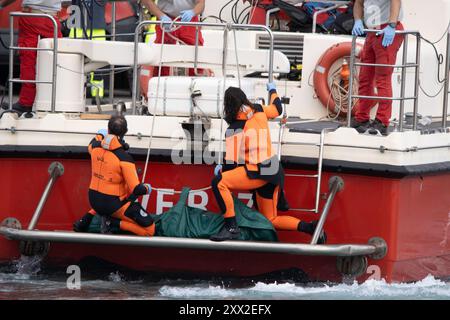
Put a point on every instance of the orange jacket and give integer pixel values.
(248, 139)
(113, 169)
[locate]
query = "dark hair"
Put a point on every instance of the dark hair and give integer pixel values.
(234, 99)
(117, 125)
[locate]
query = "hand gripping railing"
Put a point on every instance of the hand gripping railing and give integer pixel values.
(11, 55)
(403, 66)
(225, 26)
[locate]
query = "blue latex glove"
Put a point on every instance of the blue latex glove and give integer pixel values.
(218, 170)
(271, 86)
(389, 35)
(358, 28)
(149, 187)
(187, 15)
(103, 132)
(167, 22)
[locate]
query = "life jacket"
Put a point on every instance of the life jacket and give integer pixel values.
(248, 139)
(124, 10)
(113, 169)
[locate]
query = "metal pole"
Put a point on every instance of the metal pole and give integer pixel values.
(135, 66)
(417, 84)
(269, 12)
(55, 62)
(350, 82)
(319, 168)
(56, 170)
(316, 14)
(336, 184)
(197, 32)
(446, 83)
(403, 84)
(345, 250)
(224, 74)
(11, 60)
(113, 38)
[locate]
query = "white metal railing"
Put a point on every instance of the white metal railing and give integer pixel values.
(403, 66)
(225, 26)
(12, 48)
(446, 83)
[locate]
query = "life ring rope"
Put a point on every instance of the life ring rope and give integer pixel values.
(334, 98)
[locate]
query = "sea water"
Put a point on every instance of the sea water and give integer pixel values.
(27, 279)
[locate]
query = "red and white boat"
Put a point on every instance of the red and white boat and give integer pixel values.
(384, 200)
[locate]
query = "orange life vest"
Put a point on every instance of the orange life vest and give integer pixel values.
(113, 169)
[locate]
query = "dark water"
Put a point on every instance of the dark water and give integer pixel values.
(28, 279)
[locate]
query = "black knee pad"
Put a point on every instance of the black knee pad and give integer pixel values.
(266, 191)
(138, 214)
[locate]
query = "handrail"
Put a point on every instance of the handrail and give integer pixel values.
(336, 185)
(55, 170)
(334, 250)
(446, 83)
(334, 7)
(268, 13)
(403, 66)
(11, 55)
(224, 26)
(113, 38)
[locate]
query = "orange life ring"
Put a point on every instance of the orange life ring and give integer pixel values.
(322, 70)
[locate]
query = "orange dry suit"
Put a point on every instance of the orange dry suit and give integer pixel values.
(250, 164)
(115, 185)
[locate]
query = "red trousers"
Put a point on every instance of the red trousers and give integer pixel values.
(377, 77)
(185, 34)
(30, 29)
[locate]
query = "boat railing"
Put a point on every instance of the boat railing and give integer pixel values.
(13, 48)
(446, 83)
(403, 66)
(334, 5)
(226, 28)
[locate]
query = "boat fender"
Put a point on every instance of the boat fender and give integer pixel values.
(352, 266)
(322, 70)
(34, 248)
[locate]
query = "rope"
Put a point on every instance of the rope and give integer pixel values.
(237, 57)
(180, 191)
(225, 38)
(156, 104)
(340, 95)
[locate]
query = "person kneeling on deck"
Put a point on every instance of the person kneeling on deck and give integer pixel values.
(114, 183)
(251, 165)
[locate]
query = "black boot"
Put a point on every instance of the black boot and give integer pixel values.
(378, 126)
(82, 225)
(361, 127)
(309, 228)
(19, 109)
(229, 231)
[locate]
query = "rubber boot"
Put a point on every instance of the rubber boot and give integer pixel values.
(229, 231)
(310, 227)
(82, 225)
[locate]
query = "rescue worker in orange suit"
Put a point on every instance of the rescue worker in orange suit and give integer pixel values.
(30, 30)
(167, 11)
(379, 48)
(114, 183)
(250, 164)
